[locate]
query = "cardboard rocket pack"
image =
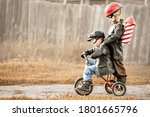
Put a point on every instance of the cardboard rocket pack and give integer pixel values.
(129, 24)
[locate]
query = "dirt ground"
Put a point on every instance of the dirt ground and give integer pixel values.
(64, 91)
(47, 72)
(40, 80)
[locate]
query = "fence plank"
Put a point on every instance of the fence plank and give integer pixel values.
(42, 21)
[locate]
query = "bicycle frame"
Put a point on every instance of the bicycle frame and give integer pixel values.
(108, 76)
(106, 80)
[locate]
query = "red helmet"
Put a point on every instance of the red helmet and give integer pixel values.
(111, 8)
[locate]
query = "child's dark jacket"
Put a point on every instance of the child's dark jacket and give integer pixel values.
(104, 64)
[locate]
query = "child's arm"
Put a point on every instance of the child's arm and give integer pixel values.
(99, 52)
(87, 52)
(116, 36)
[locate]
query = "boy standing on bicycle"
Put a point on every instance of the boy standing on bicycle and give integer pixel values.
(99, 60)
(113, 40)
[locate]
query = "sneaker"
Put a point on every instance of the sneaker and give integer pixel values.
(121, 79)
(85, 87)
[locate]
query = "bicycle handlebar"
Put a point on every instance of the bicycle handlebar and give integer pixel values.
(85, 57)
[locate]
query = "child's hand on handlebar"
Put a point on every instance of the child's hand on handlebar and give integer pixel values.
(83, 55)
(86, 53)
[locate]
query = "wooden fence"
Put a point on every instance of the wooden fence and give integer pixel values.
(41, 21)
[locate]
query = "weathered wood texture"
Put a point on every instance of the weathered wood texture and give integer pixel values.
(102, 1)
(13, 19)
(41, 21)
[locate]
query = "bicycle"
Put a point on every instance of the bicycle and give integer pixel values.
(111, 86)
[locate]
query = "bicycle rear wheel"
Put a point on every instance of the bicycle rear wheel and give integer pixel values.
(119, 89)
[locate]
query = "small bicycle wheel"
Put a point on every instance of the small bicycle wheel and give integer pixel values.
(108, 86)
(78, 83)
(119, 89)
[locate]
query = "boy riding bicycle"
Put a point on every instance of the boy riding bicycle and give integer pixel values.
(99, 60)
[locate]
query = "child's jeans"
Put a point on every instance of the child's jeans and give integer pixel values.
(89, 69)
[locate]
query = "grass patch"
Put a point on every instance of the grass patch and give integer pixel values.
(48, 72)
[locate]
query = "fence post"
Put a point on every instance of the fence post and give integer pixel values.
(147, 2)
(81, 2)
(65, 2)
(107, 1)
(87, 2)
